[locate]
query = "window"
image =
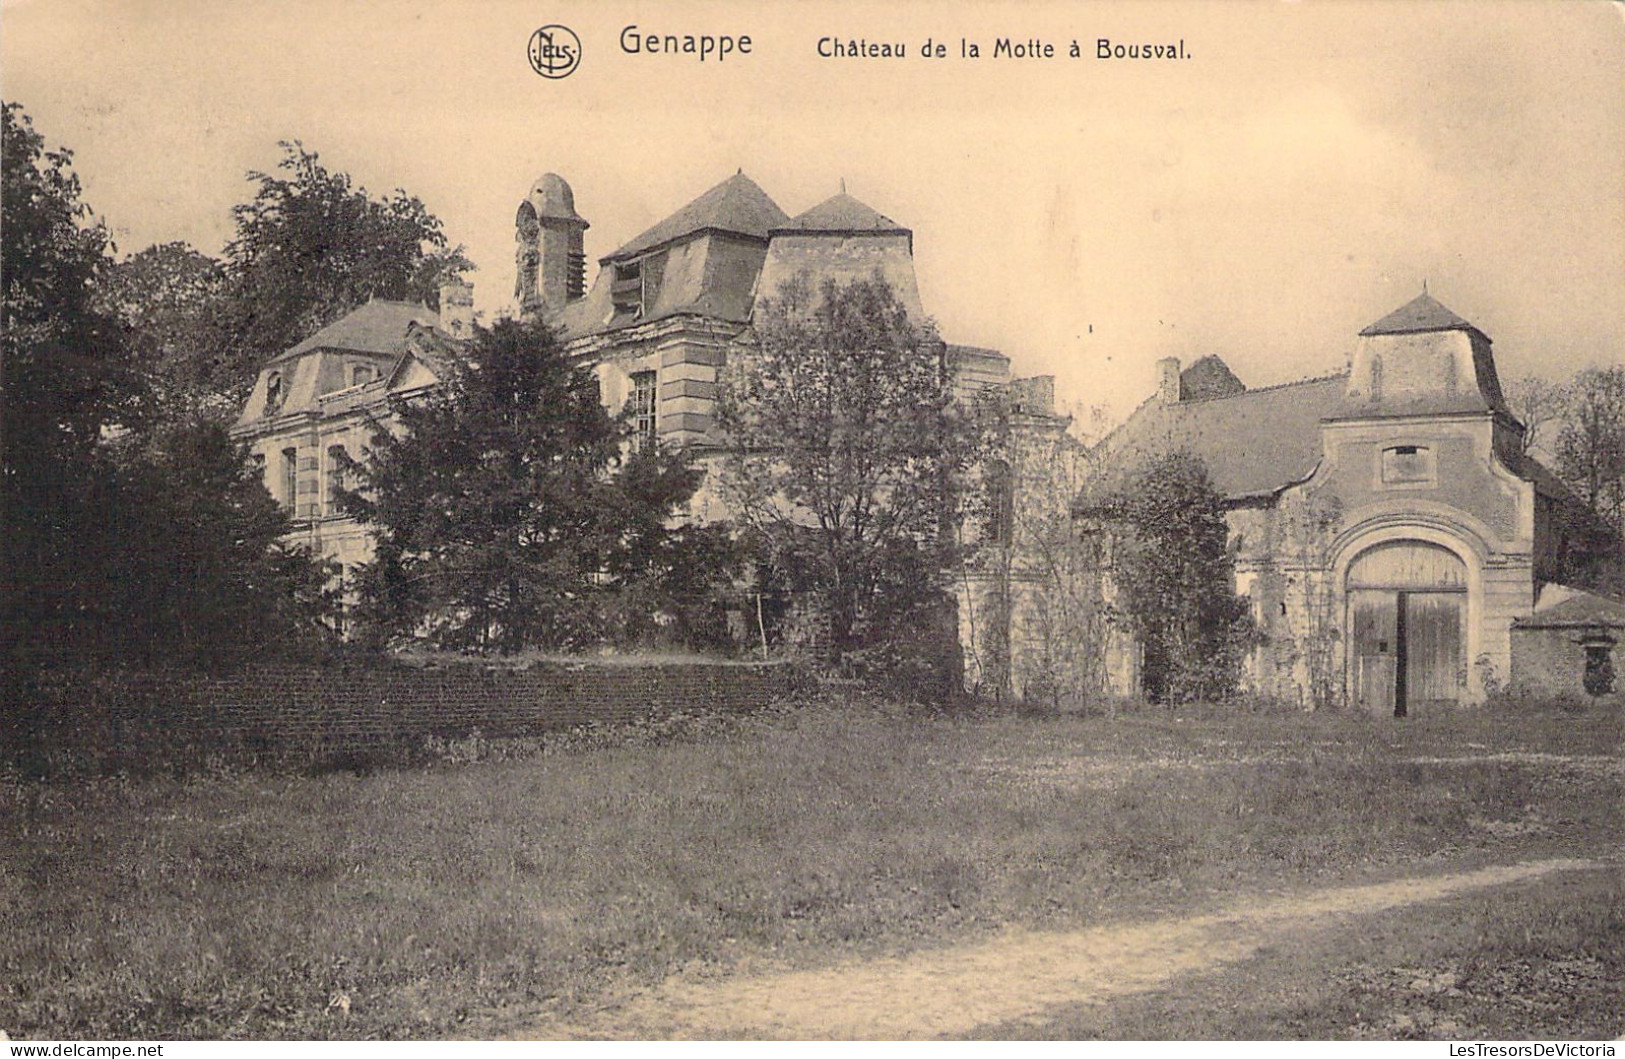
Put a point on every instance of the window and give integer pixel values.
(1000, 504)
(361, 374)
(273, 392)
(1408, 465)
(627, 291)
(1599, 672)
(642, 406)
(290, 477)
(636, 286)
(335, 477)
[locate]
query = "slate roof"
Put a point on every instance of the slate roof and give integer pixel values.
(1254, 443)
(736, 205)
(1422, 313)
(842, 213)
(1258, 442)
(1581, 610)
(377, 327)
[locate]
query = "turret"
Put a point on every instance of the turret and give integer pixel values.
(550, 255)
(1422, 359)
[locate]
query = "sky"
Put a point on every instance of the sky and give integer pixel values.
(1299, 173)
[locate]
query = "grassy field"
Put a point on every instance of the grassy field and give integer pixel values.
(463, 898)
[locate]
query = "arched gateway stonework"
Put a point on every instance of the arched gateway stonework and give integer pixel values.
(1386, 524)
(1408, 606)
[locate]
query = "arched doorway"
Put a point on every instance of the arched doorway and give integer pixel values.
(1407, 603)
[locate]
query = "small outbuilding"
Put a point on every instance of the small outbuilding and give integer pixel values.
(1566, 647)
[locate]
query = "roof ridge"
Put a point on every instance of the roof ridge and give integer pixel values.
(1263, 389)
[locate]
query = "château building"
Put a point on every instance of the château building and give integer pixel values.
(654, 325)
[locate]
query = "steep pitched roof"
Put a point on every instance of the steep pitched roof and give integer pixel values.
(841, 213)
(1422, 313)
(735, 205)
(376, 327)
(1254, 443)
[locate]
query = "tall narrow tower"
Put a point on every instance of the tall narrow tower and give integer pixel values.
(550, 258)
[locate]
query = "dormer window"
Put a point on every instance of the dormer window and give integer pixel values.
(627, 292)
(637, 286)
(361, 374)
(1409, 465)
(273, 392)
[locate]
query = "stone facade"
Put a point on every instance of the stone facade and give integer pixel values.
(323, 400)
(1387, 527)
(655, 326)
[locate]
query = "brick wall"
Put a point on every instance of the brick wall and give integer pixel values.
(292, 713)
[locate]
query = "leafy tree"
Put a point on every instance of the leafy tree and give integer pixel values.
(312, 245)
(203, 573)
(1175, 579)
(65, 372)
(1591, 447)
(848, 460)
(65, 382)
(122, 538)
(506, 514)
(171, 301)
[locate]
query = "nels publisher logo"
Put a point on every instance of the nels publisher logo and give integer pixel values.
(555, 51)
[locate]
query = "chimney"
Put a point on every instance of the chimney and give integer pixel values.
(1168, 380)
(457, 308)
(1035, 395)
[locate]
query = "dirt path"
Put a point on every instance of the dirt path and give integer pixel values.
(1014, 977)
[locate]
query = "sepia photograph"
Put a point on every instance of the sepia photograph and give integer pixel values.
(808, 522)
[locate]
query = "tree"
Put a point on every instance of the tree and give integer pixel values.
(65, 383)
(171, 302)
(1175, 579)
(846, 458)
(308, 248)
(1309, 523)
(203, 573)
(1538, 404)
(312, 245)
(1037, 574)
(123, 538)
(1591, 448)
(506, 514)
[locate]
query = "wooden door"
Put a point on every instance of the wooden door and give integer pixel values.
(1374, 649)
(1434, 672)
